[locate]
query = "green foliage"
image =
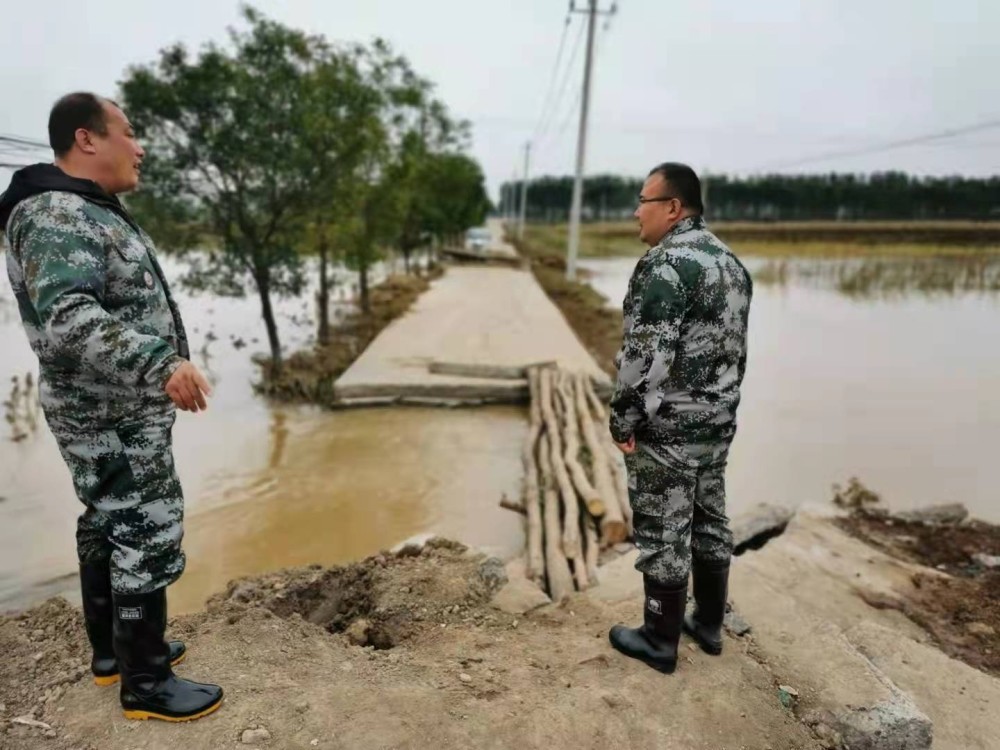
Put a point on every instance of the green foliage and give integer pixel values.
(880, 196)
(280, 143)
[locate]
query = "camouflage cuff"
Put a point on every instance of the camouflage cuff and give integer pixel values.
(160, 373)
(621, 430)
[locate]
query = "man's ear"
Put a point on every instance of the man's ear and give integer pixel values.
(84, 141)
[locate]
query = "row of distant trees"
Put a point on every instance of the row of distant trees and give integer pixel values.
(282, 145)
(885, 196)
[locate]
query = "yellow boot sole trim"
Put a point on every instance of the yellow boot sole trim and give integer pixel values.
(114, 678)
(143, 715)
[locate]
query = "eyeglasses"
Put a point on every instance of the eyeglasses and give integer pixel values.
(661, 199)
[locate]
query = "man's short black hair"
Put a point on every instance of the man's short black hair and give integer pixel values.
(72, 112)
(683, 182)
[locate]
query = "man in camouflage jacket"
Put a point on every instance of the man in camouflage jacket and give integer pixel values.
(113, 358)
(673, 413)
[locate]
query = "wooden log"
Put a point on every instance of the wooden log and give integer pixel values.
(571, 456)
(557, 573)
(592, 547)
(619, 473)
(614, 529)
(505, 391)
(613, 526)
(507, 504)
(571, 451)
(571, 514)
(490, 372)
(530, 499)
(598, 407)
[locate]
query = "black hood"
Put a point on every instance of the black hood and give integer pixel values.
(44, 178)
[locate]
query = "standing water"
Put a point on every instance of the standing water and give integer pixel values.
(892, 382)
(266, 486)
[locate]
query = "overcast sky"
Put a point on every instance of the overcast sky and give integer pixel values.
(725, 85)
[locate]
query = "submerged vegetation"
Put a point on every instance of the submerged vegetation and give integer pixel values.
(21, 409)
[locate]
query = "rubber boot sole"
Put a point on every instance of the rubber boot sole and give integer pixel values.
(138, 715)
(715, 649)
(658, 666)
(113, 679)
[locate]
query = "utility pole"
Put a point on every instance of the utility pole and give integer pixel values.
(524, 191)
(573, 246)
(512, 200)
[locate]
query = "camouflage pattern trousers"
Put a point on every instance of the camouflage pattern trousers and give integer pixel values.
(677, 511)
(125, 477)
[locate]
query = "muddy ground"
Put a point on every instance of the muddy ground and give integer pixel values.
(962, 613)
(398, 651)
(406, 650)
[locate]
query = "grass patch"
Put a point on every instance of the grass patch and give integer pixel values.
(795, 239)
(598, 326)
(887, 276)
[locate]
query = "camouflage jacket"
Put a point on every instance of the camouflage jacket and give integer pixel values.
(684, 348)
(94, 303)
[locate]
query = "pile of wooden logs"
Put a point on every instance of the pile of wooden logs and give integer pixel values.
(575, 495)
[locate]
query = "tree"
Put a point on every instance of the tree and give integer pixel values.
(283, 145)
(343, 128)
(389, 197)
(222, 131)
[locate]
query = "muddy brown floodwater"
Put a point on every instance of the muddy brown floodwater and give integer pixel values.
(897, 386)
(267, 486)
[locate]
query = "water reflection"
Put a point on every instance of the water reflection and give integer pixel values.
(884, 277)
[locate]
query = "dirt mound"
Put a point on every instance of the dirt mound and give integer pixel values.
(379, 601)
(439, 666)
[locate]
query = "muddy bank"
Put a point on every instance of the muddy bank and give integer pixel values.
(439, 644)
(308, 375)
(961, 611)
(598, 326)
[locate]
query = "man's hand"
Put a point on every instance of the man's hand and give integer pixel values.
(187, 388)
(628, 447)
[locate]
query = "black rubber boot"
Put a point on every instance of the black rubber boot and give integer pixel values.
(98, 618)
(711, 582)
(150, 690)
(655, 641)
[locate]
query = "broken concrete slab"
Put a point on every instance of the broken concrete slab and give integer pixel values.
(519, 596)
(620, 580)
(962, 702)
(947, 513)
(986, 561)
(736, 624)
(755, 527)
(828, 571)
(842, 692)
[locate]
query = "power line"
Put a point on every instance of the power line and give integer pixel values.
(21, 141)
(579, 93)
(913, 141)
(565, 83)
(543, 112)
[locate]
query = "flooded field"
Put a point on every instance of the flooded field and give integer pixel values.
(266, 486)
(882, 369)
(879, 368)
